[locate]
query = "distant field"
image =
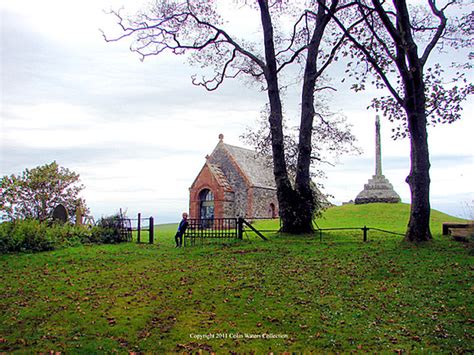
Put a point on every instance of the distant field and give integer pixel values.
(291, 293)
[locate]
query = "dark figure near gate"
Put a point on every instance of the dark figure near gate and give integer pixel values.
(181, 230)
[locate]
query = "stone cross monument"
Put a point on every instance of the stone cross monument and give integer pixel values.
(378, 189)
(378, 148)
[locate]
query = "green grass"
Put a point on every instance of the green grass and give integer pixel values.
(392, 217)
(339, 295)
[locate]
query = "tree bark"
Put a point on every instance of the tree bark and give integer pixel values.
(285, 193)
(419, 177)
(419, 182)
(296, 204)
(303, 177)
(415, 107)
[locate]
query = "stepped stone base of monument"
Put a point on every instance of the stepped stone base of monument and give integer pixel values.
(378, 189)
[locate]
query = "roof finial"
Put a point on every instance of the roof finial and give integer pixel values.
(221, 137)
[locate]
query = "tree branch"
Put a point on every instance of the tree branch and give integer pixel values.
(163, 38)
(214, 83)
(373, 61)
(439, 31)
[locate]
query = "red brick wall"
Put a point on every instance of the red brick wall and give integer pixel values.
(206, 180)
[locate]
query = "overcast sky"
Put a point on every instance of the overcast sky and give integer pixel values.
(137, 132)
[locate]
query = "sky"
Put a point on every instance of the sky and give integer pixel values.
(138, 132)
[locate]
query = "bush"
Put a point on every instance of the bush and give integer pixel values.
(67, 235)
(32, 236)
(5, 240)
(25, 235)
(110, 229)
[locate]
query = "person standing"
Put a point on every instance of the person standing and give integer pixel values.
(181, 230)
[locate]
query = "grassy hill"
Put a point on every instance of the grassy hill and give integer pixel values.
(391, 217)
(292, 293)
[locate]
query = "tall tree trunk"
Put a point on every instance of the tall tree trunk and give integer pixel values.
(296, 204)
(285, 193)
(303, 177)
(419, 178)
(411, 70)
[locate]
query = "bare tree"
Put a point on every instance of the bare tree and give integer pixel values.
(196, 27)
(393, 45)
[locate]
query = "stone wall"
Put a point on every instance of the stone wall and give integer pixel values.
(238, 183)
(262, 199)
(229, 205)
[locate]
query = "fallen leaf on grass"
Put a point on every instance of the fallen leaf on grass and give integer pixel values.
(194, 346)
(273, 320)
(123, 342)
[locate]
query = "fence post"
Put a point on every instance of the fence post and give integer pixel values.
(240, 227)
(151, 229)
(365, 229)
(139, 225)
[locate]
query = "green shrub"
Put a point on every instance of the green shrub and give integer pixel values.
(67, 235)
(6, 242)
(33, 236)
(108, 229)
(25, 235)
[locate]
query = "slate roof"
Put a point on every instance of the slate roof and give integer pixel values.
(258, 169)
(220, 177)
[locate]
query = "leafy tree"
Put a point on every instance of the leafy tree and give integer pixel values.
(393, 46)
(332, 137)
(196, 27)
(36, 192)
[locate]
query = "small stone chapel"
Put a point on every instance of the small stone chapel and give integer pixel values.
(234, 182)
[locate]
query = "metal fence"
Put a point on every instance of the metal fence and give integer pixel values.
(206, 229)
(365, 231)
(203, 231)
(144, 229)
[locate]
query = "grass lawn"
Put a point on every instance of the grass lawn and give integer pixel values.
(287, 294)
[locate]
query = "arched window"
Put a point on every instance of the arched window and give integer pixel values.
(206, 204)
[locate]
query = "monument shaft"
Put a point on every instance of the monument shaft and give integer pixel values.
(378, 148)
(378, 189)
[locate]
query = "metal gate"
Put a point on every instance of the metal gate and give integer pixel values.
(205, 230)
(143, 225)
